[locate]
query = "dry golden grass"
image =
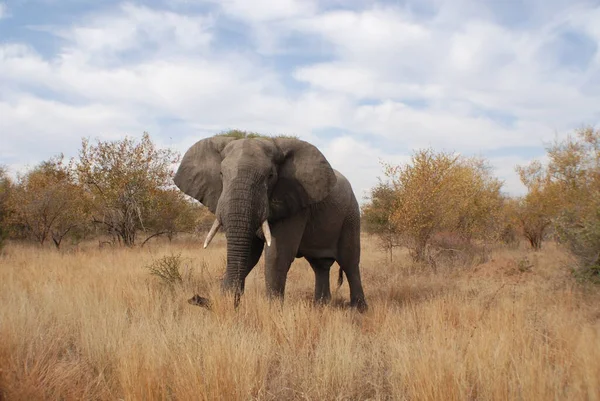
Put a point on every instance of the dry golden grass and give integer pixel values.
(94, 324)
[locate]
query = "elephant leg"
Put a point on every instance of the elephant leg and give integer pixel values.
(348, 259)
(285, 241)
(321, 267)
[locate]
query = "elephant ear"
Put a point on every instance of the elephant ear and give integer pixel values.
(199, 174)
(305, 177)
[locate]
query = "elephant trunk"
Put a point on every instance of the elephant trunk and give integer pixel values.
(242, 217)
(238, 254)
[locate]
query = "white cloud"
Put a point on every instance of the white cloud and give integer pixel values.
(108, 38)
(359, 162)
(207, 92)
(461, 75)
(3, 11)
(34, 129)
(481, 62)
(378, 33)
(442, 128)
(455, 79)
(504, 169)
(260, 11)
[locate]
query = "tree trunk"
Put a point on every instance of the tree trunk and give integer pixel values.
(57, 237)
(535, 239)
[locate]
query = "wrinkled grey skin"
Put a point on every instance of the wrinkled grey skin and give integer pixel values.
(311, 210)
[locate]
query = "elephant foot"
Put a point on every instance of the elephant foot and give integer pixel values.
(321, 302)
(360, 305)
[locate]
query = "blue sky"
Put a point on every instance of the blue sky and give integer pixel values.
(363, 80)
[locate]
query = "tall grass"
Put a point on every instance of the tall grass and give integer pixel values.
(95, 324)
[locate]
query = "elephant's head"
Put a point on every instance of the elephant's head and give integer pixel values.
(247, 183)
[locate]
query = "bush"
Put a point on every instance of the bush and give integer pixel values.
(449, 250)
(5, 187)
(566, 194)
(167, 269)
(582, 237)
(47, 202)
(435, 193)
(377, 217)
(240, 134)
(537, 209)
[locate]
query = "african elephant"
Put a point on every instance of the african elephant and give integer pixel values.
(281, 191)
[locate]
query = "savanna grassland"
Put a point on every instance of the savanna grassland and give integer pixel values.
(94, 324)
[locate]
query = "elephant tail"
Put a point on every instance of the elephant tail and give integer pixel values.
(340, 278)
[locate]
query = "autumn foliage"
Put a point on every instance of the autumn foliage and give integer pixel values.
(440, 202)
(433, 194)
(124, 179)
(537, 208)
(377, 217)
(564, 197)
(118, 190)
(47, 203)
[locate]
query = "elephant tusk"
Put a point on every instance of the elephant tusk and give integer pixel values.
(212, 232)
(267, 232)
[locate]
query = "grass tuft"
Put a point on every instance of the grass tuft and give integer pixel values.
(167, 269)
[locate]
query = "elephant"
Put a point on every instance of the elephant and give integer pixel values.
(283, 192)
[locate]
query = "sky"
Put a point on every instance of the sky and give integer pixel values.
(365, 81)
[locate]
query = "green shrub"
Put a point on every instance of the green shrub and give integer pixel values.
(581, 235)
(239, 134)
(5, 187)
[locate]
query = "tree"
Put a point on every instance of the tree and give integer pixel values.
(377, 216)
(509, 224)
(420, 198)
(574, 168)
(443, 192)
(476, 200)
(173, 213)
(47, 202)
(565, 195)
(539, 206)
(123, 177)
